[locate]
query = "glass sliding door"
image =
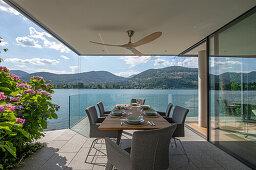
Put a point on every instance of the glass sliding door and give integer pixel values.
(232, 69)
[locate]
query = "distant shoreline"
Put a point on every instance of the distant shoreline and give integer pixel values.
(128, 89)
(143, 89)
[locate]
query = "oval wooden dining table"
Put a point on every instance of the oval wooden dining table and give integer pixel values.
(114, 122)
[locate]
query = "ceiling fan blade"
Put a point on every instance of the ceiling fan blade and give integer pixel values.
(128, 45)
(136, 52)
(106, 44)
(147, 39)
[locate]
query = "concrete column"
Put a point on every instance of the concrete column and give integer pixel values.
(202, 89)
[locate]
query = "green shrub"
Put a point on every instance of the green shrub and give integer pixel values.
(24, 110)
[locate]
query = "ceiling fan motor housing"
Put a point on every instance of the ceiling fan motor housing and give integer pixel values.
(130, 33)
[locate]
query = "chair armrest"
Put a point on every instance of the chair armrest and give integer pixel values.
(161, 113)
(117, 156)
(169, 119)
(179, 131)
(107, 112)
(100, 119)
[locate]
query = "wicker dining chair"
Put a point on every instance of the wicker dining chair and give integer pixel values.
(133, 101)
(99, 134)
(149, 151)
(141, 101)
(167, 112)
(102, 111)
(179, 115)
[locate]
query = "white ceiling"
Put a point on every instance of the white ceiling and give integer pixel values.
(183, 22)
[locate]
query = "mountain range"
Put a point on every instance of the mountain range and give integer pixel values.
(165, 78)
(86, 77)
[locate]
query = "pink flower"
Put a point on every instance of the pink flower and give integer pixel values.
(48, 85)
(14, 77)
(2, 108)
(38, 78)
(21, 121)
(22, 85)
(10, 107)
(4, 69)
(42, 92)
(2, 96)
(29, 91)
(15, 99)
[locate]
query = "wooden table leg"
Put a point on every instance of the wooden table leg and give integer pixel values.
(119, 137)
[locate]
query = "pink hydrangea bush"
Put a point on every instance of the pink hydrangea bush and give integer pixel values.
(24, 110)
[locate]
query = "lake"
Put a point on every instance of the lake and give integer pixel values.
(82, 98)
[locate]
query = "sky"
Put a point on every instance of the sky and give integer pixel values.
(31, 49)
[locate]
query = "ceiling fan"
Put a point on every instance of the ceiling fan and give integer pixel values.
(131, 46)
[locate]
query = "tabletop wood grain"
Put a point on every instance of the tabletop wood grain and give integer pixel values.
(114, 122)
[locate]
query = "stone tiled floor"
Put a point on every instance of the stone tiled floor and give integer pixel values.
(67, 149)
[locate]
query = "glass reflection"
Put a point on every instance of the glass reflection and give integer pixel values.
(233, 89)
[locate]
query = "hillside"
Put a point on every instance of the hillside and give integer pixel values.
(169, 77)
(19, 73)
(86, 77)
(171, 72)
(174, 77)
(236, 77)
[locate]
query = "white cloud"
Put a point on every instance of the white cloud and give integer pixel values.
(34, 37)
(6, 8)
(33, 61)
(127, 73)
(3, 43)
(188, 62)
(20, 65)
(48, 40)
(191, 62)
(220, 65)
(228, 62)
(74, 69)
(25, 19)
(65, 57)
(27, 42)
(136, 60)
(87, 56)
(52, 71)
(162, 62)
